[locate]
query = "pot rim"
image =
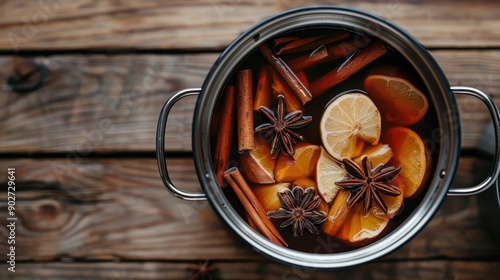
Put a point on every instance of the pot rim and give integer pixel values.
(335, 17)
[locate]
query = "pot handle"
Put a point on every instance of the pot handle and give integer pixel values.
(160, 146)
(492, 177)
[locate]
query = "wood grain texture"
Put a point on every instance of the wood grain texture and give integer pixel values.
(88, 212)
(108, 103)
(255, 270)
(98, 210)
(94, 103)
(212, 24)
(112, 209)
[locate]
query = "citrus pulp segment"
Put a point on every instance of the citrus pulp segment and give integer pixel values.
(398, 100)
(328, 171)
(409, 153)
(357, 230)
(347, 118)
(300, 165)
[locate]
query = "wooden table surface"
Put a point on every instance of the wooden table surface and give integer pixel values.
(90, 202)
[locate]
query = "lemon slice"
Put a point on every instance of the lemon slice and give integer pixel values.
(347, 118)
(328, 171)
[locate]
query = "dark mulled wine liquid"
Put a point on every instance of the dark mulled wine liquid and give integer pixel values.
(324, 243)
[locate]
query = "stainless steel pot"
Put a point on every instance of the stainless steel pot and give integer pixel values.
(442, 98)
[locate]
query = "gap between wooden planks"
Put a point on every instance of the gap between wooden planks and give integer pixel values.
(118, 209)
(108, 103)
(433, 269)
(213, 24)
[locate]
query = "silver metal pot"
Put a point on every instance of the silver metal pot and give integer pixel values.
(441, 95)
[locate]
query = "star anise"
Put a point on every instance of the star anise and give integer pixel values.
(201, 271)
(366, 183)
(281, 126)
(299, 207)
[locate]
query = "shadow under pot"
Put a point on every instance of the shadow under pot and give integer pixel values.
(489, 200)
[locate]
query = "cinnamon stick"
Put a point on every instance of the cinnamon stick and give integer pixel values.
(252, 224)
(252, 205)
(284, 40)
(303, 44)
(300, 91)
(279, 86)
(245, 110)
(225, 134)
(348, 68)
(322, 55)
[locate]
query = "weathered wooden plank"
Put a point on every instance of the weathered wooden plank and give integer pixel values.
(103, 103)
(476, 69)
(212, 24)
(254, 270)
(118, 209)
(114, 209)
(93, 103)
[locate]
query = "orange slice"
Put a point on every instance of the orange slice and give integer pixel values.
(348, 118)
(257, 165)
(358, 230)
(380, 153)
(268, 195)
(337, 214)
(300, 165)
(328, 171)
(398, 100)
(263, 96)
(409, 153)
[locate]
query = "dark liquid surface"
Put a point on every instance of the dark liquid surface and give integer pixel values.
(324, 243)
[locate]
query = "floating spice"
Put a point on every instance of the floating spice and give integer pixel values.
(323, 54)
(225, 135)
(350, 67)
(299, 208)
(289, 45)
(366, 183)
(244, 110)
(300, 91)
(252, 205)
(281, 127)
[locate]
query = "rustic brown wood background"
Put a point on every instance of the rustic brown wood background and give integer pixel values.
(90, 201)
